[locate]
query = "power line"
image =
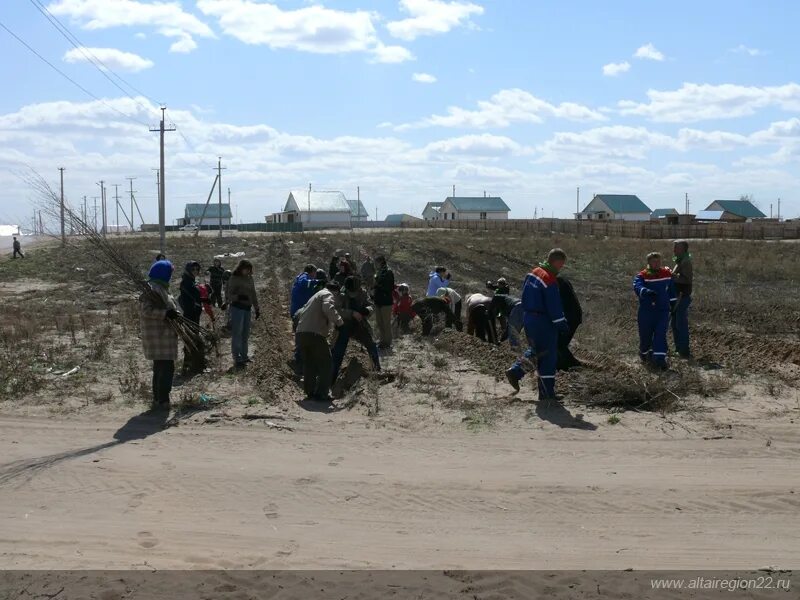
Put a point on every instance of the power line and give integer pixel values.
(67, 77)
(90, 56)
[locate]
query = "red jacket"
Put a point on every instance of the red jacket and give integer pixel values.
(402, 306)
(205, 301)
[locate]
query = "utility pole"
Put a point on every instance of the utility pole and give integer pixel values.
(779, 209)
(162, 200)
(85, 213)
(219, 190)
(103, 207)
(770, 210)
(94, 216)
(130, 180)
(454, 191)
(687, 203)
(376, 213)
(308, 216)
(578, 202)
(229, 196)
(41, 224)
(63, 230)
(116, 202)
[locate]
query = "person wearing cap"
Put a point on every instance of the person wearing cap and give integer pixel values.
(157, 308)
(314, 322)
(682, 277)
(499, 287)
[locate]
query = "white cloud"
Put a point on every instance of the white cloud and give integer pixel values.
(481, 173)
(649, 52)
(314, 28)
(110, 57)
(697, 102)
(506, 107)
(423, 78)
(391, 54)
(485, 144)
(614, 69)
(430, 17)
(168, 18)
(742, 49)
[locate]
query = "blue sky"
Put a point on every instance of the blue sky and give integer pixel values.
(407, 97)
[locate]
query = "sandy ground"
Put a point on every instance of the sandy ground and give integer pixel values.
(87, 494)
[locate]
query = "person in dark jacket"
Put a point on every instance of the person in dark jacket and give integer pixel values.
(189, 298)
(354, 307)
(574, 314)
(683, 277)
(190, 301)
(383, 295)
(17, 248)
(333, 267)
(499, 287)
(508, 309)
(427, 309)
(216, 274)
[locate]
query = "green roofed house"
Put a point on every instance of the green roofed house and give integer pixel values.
(473, 208)
(744, 210)
(615, 207)
(432, 211)
(193, 212)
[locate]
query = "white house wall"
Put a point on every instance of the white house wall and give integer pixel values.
(631, 216)
(476, 216)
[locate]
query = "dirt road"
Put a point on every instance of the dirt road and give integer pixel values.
(73, 496)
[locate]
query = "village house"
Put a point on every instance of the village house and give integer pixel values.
(432, 211)
(473, 208)
(193, 213)
(615, 207)
(315, 209)
(736, 210)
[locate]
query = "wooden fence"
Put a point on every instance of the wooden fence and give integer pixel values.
(625, 229)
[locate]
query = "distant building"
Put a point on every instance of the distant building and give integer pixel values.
(663, 213)
(474, 208)
(744, 210)
(315, 209)
(615, 207)
(401, 218)
(432, 211)
(193, 212)
(358, 211)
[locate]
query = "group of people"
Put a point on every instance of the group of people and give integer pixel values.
(234, 292)
(543, 314)
(540, 323)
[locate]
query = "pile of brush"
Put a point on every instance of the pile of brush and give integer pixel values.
(196, 338)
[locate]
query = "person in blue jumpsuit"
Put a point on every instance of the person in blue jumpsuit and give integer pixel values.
(655, 289)
(544, 320)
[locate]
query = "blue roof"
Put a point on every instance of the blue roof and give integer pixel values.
(623, 203)
(663, 212)
(479, 204)
(709, 215)
(195, 211)
(740, 208)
